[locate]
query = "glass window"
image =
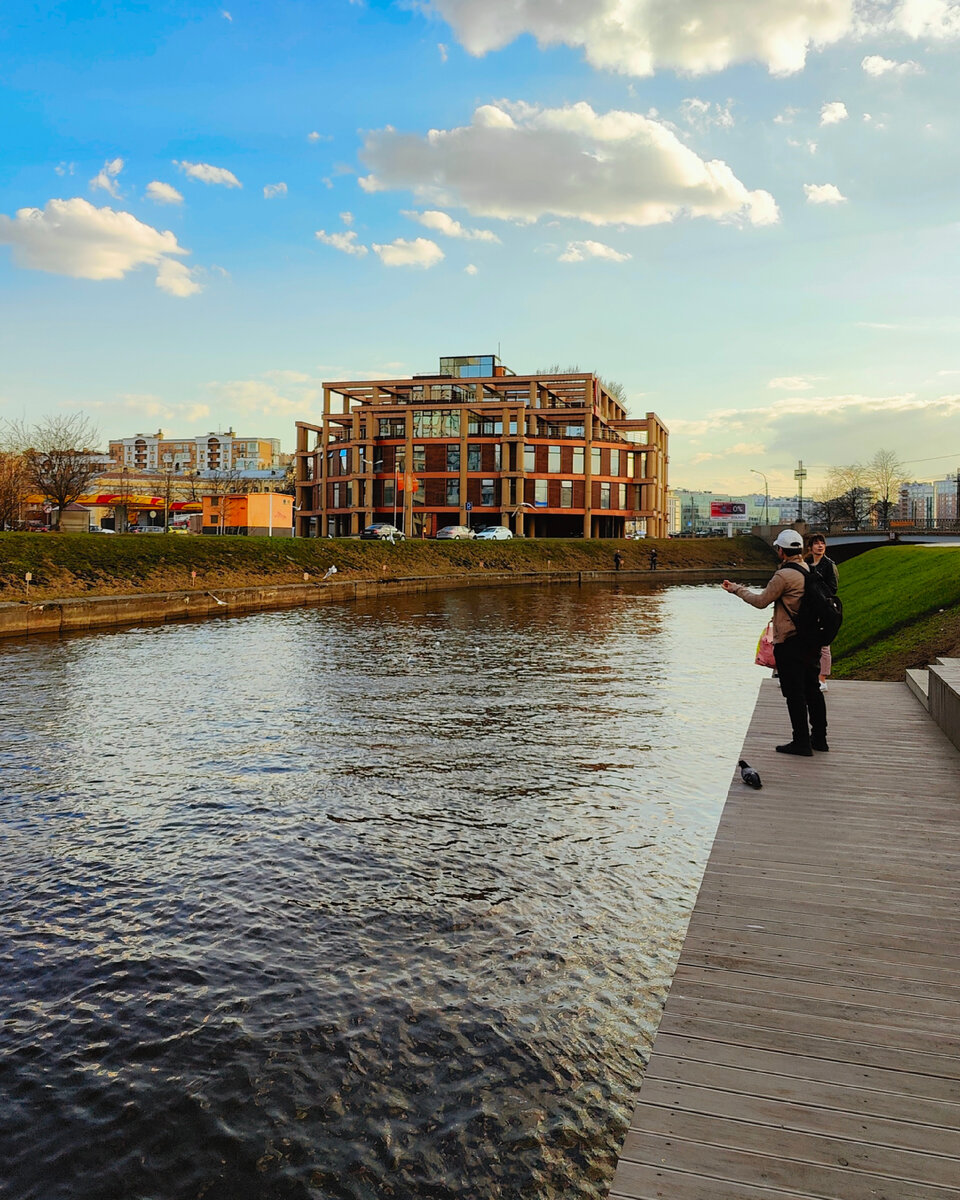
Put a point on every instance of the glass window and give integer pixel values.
(453, 491)
(513, 426)
(453, 458)
(553, 459)
(436, 422)
(474, 457)
(631, 461)
(529, 458)
(614, 462)
(336, 495)
(595, 461)
(392, 429)
(496, 456)
(388, 492)
(540, 491)
(348, 497)
(622, 493)
(488, 492)
(604, 495)
(566, 493)
(400, 458)
(419, 458)
(578, 460)
(420, 495)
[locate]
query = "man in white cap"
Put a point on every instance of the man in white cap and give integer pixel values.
(798, 662)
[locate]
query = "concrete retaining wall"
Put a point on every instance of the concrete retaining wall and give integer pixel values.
(79, 615)
(943, 696)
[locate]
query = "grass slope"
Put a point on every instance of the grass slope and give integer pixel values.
(901, 607)
(85, 565)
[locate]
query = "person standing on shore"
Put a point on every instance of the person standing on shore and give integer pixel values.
(826, 568)
(618, 560)
(653, 559)
(797, 660)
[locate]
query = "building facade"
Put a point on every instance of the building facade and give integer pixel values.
(215, 452)
(255, 514)
(548, 455)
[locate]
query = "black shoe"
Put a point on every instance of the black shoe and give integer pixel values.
(795, 748)
(819, 744)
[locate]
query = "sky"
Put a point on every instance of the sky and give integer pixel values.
(744, 211)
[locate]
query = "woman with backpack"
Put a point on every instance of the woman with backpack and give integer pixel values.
(826, 568)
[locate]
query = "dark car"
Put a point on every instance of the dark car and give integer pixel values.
(382, 532)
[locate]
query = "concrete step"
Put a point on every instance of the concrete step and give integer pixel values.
(943, 692)
(918, 681)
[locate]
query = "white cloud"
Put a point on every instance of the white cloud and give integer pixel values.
(638, 37)
(274, 189)
(442, 51)
(823, 193)
(226, 16)
(441, 222)
(65, 168)
(581, 251)
(263, 398)
(833, 113)
(702, 114)
(876, 65)
(163, 193)
(470, 269)
(208, 174)
(107, 177)
(347, 242)
(421, 252)
(791, 383)
(145, 404)
(517, 161)
(175, 278)
(786, 117)
(72, 237)
(808, 145)
(346, 218)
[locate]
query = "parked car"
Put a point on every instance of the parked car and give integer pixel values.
(454, 531)
(382, 532)
(100, 529)
(494, 533)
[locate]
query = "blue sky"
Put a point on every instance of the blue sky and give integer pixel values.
(746, 211)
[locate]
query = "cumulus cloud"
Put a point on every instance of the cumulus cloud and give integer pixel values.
(581, 251)
(421, 252)
(205, 173)
(833, 113)
(263, 397)
(441, 222)
(638, 37)
(72, 237)
(876, 65)
(163, 193)
(347, 241)
(274, 189)
(470, 269)
(520, 162)
(702, 114)
(823, 193)
(346, 218)
(148, 405)
(107, 177)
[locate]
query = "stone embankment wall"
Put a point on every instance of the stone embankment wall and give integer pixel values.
(27, 619)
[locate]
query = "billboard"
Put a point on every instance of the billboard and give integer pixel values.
(728, 509)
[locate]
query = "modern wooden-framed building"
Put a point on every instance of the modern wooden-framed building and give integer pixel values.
(549, 455)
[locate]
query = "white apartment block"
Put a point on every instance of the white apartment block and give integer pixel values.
(214, 451)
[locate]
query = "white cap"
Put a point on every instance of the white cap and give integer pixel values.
(789, 539)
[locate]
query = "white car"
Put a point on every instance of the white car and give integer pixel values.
(494, 533)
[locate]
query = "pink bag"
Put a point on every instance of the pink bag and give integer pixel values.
(764, 656)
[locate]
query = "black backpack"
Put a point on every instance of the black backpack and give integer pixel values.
(820, 614)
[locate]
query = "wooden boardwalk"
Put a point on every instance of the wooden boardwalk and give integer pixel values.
(810, 1044)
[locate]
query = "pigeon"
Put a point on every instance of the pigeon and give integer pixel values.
(749, 775)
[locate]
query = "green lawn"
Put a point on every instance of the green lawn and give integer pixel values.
(891, 588)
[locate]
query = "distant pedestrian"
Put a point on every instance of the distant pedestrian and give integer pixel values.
(797, 660)
(618, 560)
(826, 568)
(653, 559)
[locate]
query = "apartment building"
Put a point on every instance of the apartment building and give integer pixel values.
(215, 451)
(547, 454)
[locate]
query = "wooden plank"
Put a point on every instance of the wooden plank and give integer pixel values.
(810, 1043)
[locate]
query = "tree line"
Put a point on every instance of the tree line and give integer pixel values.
(859, 494)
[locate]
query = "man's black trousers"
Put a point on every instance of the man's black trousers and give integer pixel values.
(798, 667)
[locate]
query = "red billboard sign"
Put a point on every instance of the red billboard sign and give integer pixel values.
(727, 508)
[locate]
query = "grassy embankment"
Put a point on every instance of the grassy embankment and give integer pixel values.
(901, 608)
(65, 565)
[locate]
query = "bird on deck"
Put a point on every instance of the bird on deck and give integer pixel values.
(749, 775)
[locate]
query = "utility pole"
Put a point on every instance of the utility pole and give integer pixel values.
(800, 475)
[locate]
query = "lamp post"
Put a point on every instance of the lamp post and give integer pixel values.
(766, 496)
(800, 475)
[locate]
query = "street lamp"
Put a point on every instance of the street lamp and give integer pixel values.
(766, 496)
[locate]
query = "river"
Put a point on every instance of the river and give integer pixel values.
(371, 900)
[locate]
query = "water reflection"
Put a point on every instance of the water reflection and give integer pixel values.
(369, 901)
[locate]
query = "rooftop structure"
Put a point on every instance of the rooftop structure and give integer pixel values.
(548, 454)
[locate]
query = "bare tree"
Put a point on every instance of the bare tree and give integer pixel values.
(885, 474)
(59, 458)
(13, 484)
(853, 494)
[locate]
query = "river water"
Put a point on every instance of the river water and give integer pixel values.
(372, 900)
